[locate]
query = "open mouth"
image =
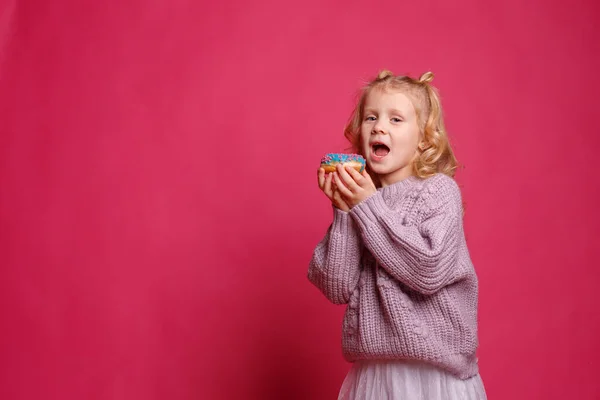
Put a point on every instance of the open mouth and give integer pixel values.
(380, 150)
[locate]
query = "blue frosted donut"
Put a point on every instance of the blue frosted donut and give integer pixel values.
(330, 160)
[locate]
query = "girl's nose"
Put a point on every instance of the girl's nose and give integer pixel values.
(378, 128)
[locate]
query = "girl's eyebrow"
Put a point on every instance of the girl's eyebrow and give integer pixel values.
(391, 111)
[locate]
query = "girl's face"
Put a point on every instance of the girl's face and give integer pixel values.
(389, 135)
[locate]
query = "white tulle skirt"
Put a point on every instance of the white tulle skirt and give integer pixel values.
(400, 380)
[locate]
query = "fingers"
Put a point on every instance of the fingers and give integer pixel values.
(344, 191)
(321, 177)
(339, 202)
(356, 176)
(327, 189)
(342, 171)
(366, 176)
(346, 186)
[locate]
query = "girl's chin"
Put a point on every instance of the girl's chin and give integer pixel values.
(379, 169)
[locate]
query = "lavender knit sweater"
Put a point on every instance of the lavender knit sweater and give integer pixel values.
(400, 261)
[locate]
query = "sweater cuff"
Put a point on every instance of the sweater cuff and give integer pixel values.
(342, 223)
(367, 212)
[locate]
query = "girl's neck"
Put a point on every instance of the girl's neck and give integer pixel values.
(395, 177)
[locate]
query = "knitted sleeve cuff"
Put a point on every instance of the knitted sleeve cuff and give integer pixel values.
(342, 223)
(368, 211)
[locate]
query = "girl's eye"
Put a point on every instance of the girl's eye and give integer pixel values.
(395, 119)
(370, 118)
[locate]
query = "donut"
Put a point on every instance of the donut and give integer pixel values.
(330, 160)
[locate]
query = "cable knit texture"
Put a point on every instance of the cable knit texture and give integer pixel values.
(400, 262)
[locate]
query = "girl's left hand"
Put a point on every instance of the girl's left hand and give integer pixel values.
(352, 185)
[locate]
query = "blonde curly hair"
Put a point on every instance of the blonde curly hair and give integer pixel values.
(435, 154)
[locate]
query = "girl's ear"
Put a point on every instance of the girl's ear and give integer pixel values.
(421, 146)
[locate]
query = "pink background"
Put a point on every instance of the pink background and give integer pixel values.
(158, 195)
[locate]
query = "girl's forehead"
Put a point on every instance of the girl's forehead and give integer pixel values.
(398, 97)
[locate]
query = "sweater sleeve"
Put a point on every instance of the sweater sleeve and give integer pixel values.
(335, 265)
(422, 256)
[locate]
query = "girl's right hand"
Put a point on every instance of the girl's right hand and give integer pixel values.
(328, 187)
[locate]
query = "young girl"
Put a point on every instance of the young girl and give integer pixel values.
(396, 252)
